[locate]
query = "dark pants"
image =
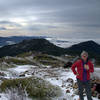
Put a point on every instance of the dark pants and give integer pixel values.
(87, 86)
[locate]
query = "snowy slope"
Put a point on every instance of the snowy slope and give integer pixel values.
(56, 76)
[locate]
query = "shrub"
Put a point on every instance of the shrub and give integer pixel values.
(35, 87)
(16, 61)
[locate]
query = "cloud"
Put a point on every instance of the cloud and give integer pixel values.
(3, 28)
(62, 17)
(88, 25)
(39, 27)
(9, 23)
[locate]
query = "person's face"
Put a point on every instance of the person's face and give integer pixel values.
(84, 57)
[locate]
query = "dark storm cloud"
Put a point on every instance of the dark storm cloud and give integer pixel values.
(81, 14)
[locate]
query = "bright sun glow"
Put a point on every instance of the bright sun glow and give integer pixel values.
(23, 21)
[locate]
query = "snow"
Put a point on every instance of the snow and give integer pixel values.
(21, 68)
(3, 96)
(10, 42)
(96, 73)
(56, 76)
(8, 96)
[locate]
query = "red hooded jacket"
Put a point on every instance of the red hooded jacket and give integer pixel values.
(77, 68)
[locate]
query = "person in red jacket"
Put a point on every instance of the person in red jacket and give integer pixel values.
(82, 69)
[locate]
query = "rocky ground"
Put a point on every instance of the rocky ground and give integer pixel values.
(61, 77)
(55, 74)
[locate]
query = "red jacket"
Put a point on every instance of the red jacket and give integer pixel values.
(77, 67)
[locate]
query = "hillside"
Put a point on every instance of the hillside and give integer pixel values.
(33, 75)
(16, 39)
(90, 46)
(44, 46)
(39, 45)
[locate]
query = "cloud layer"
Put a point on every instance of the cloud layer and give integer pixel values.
(62, 18)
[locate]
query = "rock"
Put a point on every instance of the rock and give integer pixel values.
(95, 85)
(64, 98)
(2, 74)
(75, 86)
(67, 91)
(98, 81)
(33, 73)
(70, 85)
(3, 78)
(70, 80)
(72, 95)
(68, 64)
(94, 81)
(76, 92)
(93, 88)
(26, 71)
(98, 87)
(57, 78)
(63, 86)
(99, 96)
(22, 75)
(94, 94)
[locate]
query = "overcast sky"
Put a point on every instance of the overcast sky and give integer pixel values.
(58, 18)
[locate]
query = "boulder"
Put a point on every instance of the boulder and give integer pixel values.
(70, 80)
(2, 74)
(99, 96)
(76, 92)
(75, 86)
(22, 75)
(64, 98)
(67, 91)
(95, 85)
(94, 94)
(68, 64)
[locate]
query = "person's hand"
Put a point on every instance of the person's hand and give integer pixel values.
(86, 67)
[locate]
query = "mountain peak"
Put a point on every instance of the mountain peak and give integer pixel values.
(91, 47)
(90, 42)
(86, 44)
(38, 45)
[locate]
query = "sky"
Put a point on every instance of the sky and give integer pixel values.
(55, 18)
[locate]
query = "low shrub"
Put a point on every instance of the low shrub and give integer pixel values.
(35, 87)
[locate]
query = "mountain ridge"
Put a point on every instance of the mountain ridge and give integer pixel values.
(39, 45)
(16, 39)
(44, 46)
(90, 46)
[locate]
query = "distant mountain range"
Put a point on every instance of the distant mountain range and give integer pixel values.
(16, 39)
(44, 46)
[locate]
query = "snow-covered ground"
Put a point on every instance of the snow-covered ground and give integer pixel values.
(96, 73)
(56, 76)
(21, 68)
(7, 96)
